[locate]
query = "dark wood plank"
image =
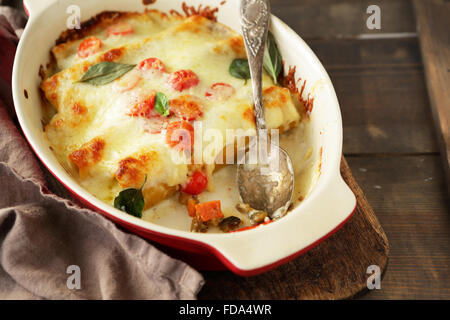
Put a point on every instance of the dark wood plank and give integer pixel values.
(384, 112)
(335, 269)
(379, 117)
(408, 195)
(357, 54)
(331, 18)
(433, 20)
(382, 93)
(343, 18)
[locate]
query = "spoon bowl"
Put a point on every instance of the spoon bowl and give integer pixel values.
(268, 184)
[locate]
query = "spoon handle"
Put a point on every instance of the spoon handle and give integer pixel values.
(255, 16)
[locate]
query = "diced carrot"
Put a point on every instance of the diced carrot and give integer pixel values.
(209, 210)
(191, 207)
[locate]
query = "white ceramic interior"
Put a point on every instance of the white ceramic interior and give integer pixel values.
(329, 204)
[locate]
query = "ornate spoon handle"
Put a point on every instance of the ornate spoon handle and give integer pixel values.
(255, 15)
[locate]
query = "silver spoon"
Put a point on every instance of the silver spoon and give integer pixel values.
(268, 184)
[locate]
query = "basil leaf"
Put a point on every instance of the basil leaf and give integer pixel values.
(240, 69)
(130, 201)
(105, 72)
(162, 104)
(272, 58)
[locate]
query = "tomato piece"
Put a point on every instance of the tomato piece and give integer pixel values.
(196, 184)
(143, 108)
(152, 64)
(119, 29)
(128, 82)
(186, 107)
(183, 79)
(180, 135)
(89, 46)
(219, 91)
(209, 210)
(156, 123)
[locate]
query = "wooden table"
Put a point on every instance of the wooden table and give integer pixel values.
(389, 138)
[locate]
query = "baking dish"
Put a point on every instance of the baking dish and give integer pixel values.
(328, 206)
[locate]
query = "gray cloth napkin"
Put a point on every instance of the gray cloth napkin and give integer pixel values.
(50, 248)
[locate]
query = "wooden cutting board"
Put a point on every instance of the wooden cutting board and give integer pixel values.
(335, 269)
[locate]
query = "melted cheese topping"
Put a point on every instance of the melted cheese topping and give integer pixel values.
(95, 138)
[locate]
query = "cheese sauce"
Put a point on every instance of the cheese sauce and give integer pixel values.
(170, 213)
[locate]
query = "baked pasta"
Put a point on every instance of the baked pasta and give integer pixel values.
(163, 72)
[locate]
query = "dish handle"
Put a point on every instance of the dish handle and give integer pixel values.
(33, 7)
(255, 251)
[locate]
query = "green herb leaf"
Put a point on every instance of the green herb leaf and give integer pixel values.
(272, 58)
(239, 69)
(162, 104)
(105, 72)
(131, 201)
